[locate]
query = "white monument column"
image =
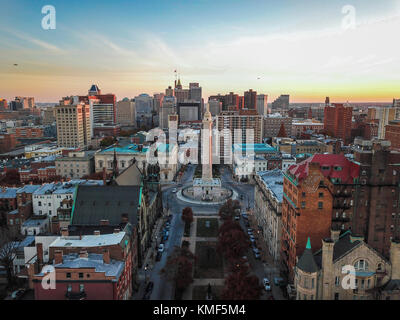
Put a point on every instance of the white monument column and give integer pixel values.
(206, 147)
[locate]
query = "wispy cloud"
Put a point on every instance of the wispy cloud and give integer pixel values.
(40, 43)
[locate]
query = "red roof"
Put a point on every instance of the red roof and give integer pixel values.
(328, 163)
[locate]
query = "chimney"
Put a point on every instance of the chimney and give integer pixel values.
(124, 218)
(116, 230)
(335, 235)
(96, 232)
(83, 254)
(39, 253)
(104, 222)
(64, 232)
(58, 257)
(106, 256)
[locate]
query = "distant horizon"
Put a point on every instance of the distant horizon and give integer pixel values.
(308, 49)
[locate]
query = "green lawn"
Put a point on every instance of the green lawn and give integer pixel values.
(208, 263)
(209, 232)
(200, 292)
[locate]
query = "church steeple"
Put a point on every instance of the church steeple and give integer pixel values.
(115, 165)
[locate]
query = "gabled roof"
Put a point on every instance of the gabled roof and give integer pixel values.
(95, 203)
(349, 170)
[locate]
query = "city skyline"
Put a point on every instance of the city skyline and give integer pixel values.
(129, 48)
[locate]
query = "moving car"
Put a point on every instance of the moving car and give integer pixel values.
(267, 285)
(161, 248)
(174, 190)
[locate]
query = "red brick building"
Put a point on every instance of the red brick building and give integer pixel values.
(392, 134)
(94, 267)
(376, 210)
(306, 212)
(8, 142)
(29, 132)
(338, 121)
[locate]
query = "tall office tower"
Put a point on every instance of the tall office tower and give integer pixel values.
(94, 90)
(327, 101)
(157, 102)
(144, 107)
(385, 115)
(262, 104)
(126, 113)
(73, 123)
(195, 92)
(241, 102)
(181, 94)
(48, 115)
(168, 107)
(228, 123)
(281, 103)
(250, 99)
(31, 102)
(231, 99)
(219, 98)
(169, 92)
(337, 121)
(376, 205)
(215, 107)
(189, 111)
(3, 104)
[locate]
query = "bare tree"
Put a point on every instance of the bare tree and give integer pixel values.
(8, 252)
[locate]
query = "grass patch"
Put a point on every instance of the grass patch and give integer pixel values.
(203, 231)
(200, 292)
(208, 263)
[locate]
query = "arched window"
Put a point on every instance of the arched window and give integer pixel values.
(361, 265)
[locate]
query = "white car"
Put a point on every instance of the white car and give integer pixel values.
(174, 190)
(252, 239)
(267, 285)
(161, 248)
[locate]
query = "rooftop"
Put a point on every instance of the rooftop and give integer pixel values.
(73, 261)
(256, 147)
(273, 180)
(130, 148)
(29, 188)
(90, 240)
(8, 193)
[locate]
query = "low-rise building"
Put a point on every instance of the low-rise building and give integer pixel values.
(76, 165)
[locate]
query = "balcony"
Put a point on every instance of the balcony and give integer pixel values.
(341, 219)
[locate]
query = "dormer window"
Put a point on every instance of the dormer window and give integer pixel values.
(361, 265)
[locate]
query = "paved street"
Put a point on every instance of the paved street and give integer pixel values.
(163, 290)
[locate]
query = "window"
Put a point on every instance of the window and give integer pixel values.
(69, 288)
(320, 205)
(336, 296)
(321, 194)
(361, 265)
(303, 204)
(337, 281)
(80, 275)
(81, 287)
(40, 203)
(68, 274)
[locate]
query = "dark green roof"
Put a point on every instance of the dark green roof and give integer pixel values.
(95, 203)
(306, 262)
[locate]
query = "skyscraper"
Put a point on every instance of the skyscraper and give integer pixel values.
(73, 123)
(250, 99)
(195, 92)
(337, 121)
(281, 103)
(262, 104)
(126, 113)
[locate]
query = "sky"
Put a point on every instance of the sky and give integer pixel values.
(309, 49)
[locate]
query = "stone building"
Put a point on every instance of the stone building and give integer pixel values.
(268, 194)
(320, 275)
(75, 165)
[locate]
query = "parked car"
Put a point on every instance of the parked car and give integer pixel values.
(158, 256)
(252, 239)
(250, 230)
(257, 255)
(256, 250)
(250, 233)
(161, 248)
(148, 291)
(267, 284)
(18, 294)
(174, 190)
(279, 281)
(237, 218)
